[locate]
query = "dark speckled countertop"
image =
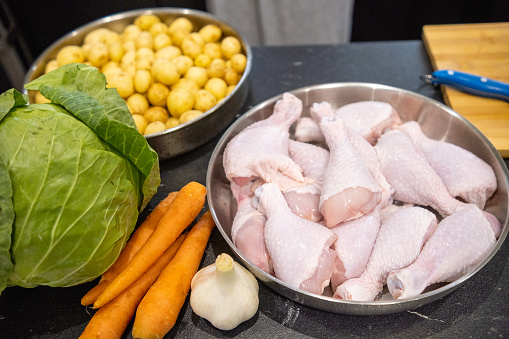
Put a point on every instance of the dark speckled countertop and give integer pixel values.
(477, 309)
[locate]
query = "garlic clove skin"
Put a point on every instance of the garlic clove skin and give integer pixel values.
(224, 293)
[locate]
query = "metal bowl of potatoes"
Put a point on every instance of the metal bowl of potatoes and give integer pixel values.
(437, 121)
(183, 132)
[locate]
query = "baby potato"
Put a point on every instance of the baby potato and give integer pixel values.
(168, 53)
(179, 101)
(123, 82)
(128, 58)
(137, 103)
(158, 28)
(144, 58)
(142, 80)
(210, 33)
(96, 36)
(230, 89)
(51, 65)
(129, 46)
(116, 51)
(204, 100)
(156, 113)
(202, 60)
(189, 115)
(157, 94)
(183, 63)
(213, 50)
(161, 40)
(165, 72)
(40, 99)
(98, 55)
(180, 23)
(178, 36)
(216, 68)
(230, 46)
(130, 33)
(198, 75)
(145, 21)
(154, 127)
(231, 76)
(144, 39)
(171, 122)
(217, 87)
(187, 84)
(141, 122)
(70, 54)
(238, 62)
(190, 48)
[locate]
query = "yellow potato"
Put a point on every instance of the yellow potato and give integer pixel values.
(182, 23)
(51, 65)
(165, 72)
(187, 84)
(190, 48)
(204, 100)
(216, 68)
(128, 58)
(161, 40)
(141, 122)
(99, 54)
(230, 46)
(142, 80)
(123, 82)
(238, 62)
(202, 60)
(144, 39)
(116, 51)
(158, 28)
(183, 63)
(145, 21)
(230, 89)
(110, 65)
(130, 33)
(171, 122)
(178, 36)
(101, 35)
(40, 99)
(210, 33)
(189, 115)
(168, 53)
(154, 127)
(217, 87)
(144, 58)
(198, 75)
(137, 103)
(157, 94)
(129, 46)
(179, 101)
(156, 113)
(70, 54)
(231, 76)
(213, 50)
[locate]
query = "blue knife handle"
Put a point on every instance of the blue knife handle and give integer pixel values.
(470, 83)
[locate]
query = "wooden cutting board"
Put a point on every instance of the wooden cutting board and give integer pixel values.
(481, 49)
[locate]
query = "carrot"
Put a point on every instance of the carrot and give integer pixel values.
(138, 238)
(158, 310)
(111, 320)
(185, 208)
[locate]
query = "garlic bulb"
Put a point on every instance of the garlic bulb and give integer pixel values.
(224, 293)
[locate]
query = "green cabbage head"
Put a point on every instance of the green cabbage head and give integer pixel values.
(74, 175)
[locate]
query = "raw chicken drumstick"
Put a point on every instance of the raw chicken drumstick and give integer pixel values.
(409, 173)
(349, 190)
(459, 243)
(464, 174)
(261, 149)
(300, 249)
(248, 229)
(399, 242)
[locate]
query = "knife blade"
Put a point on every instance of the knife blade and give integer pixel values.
(469, 83)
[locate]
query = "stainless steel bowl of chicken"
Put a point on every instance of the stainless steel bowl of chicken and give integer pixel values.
(358, 198)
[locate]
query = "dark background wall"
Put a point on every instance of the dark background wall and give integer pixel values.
(37, 24)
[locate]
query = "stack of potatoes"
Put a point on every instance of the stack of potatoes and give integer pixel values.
(168, 73)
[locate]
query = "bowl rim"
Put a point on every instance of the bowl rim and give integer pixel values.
(373, 307)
